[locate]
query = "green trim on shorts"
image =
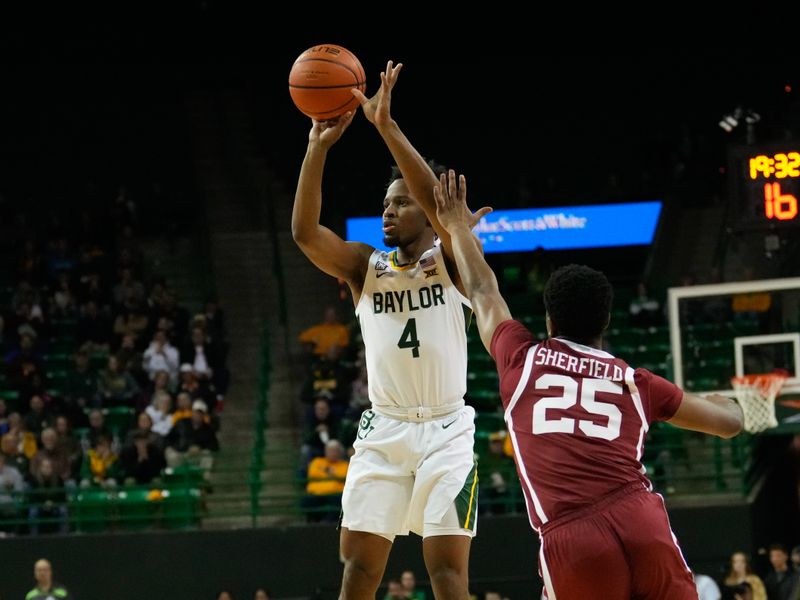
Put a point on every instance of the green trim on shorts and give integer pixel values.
(467, 500)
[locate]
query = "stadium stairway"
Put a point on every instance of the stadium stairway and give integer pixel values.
(242, 268)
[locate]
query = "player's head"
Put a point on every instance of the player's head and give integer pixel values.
(404, 221)
(578, 303)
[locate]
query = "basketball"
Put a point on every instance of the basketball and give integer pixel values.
(321, 79)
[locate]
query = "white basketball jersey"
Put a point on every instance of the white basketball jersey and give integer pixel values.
(413, 322)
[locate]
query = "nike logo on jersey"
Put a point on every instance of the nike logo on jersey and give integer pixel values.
(450, 423)
(381, 274)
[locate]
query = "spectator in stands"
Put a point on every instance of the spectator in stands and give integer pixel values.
(159, 383)
(116, 387)
(24, 360)
(92, 290)
(782, 581)
(195, 386)
(409, 583)
(494, 471)
(27, 308)
(51, 451)
(224, 595)
(144, 424)
(38, 417)
(359, 394)
(60, 258)
(261, 594)
(129, 358)
(17, 444)
(740, 572)
(205, 358)
(101, 465)
(12, 485)
(97, 427)
(94, 329)
(193, 439)
(161, 356)
(128, 291)
(141, 461)
(321, 428)
(68, 445)
(330, 380)
(63, 303)
(394, 590)
(47, 501)
(132, 321)
(159, 412)
(45, 588)
(326, 475)
(319, 338)
(177, 316)
(80, 388)
(644, 309)
(183, 408)
(795, 558)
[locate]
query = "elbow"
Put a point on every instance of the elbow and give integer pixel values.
(299, 233)
(733, 426)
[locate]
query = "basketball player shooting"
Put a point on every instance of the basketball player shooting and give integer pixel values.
(578, 418)
(413, 469)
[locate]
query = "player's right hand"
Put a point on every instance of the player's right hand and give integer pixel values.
(327, 133)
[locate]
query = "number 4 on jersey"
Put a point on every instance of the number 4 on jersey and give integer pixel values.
(408, 339)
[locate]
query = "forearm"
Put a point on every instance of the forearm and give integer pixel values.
(308, 196)
(418, 176)
(476, 275)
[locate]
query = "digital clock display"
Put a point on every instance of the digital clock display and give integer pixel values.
(765, 185)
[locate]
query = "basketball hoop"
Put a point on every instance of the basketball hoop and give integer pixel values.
(756, 395)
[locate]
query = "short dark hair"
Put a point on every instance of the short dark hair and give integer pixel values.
(578, 301)
(437, 169)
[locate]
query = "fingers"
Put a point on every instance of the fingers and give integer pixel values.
(482, 212)
(362, 99)
(462, 188)
(452, 187)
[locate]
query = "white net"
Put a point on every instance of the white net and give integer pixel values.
(756, 395)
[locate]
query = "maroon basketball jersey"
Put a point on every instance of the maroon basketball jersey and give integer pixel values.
(578, 418)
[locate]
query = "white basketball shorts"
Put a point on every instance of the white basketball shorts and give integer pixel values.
(413, 476)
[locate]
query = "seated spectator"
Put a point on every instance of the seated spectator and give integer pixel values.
(707, 588)
(101, 465)
(644, 310)
(116, 387)
(128, 291)
(47, 509)
(53, 453)
(160, 383)
(161, 356)
(394, 590)
(261, 594)
(330, 380)
(144, 424)
(97, 427)
(409, 583)
(63, 303)
(206, 360)
(214, 321)
(321, 428)
(94, 329)
(319, 338)
(131, 321)
(741, 572)
(4, 426)
(192, 439)
(359, 394)
(782, 580)
(24, 360)
(326, 475)
(742, 591)
(159, 412)
(18, 445)
(69, 445)
(130, 358)
(12, 485)
(80, 388)
(141, 461)
(183, 408)
(195, 386)
(38, 417)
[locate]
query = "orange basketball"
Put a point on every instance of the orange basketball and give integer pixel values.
(321, 79)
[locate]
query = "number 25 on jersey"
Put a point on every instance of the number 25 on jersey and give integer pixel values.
(544, 420)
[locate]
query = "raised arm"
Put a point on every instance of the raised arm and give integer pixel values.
(334, 256)
(480, 283)
(417, 175)
(713, 414)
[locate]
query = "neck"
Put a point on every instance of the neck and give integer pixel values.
(596, 343)
(411, 252)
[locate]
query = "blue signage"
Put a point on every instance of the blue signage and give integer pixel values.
(554, 228)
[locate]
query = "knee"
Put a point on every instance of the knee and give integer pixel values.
(363, 569)
(447, 575)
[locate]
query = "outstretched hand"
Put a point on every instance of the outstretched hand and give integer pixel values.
(328, 132)
(451, 203)
(378, 108)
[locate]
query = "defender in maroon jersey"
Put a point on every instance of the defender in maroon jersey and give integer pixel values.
(578, 418)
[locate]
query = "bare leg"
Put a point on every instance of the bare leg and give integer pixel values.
(365, 556)
(447, 561)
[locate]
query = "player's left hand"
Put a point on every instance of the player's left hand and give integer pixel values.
(451, 202)
(378, 108)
